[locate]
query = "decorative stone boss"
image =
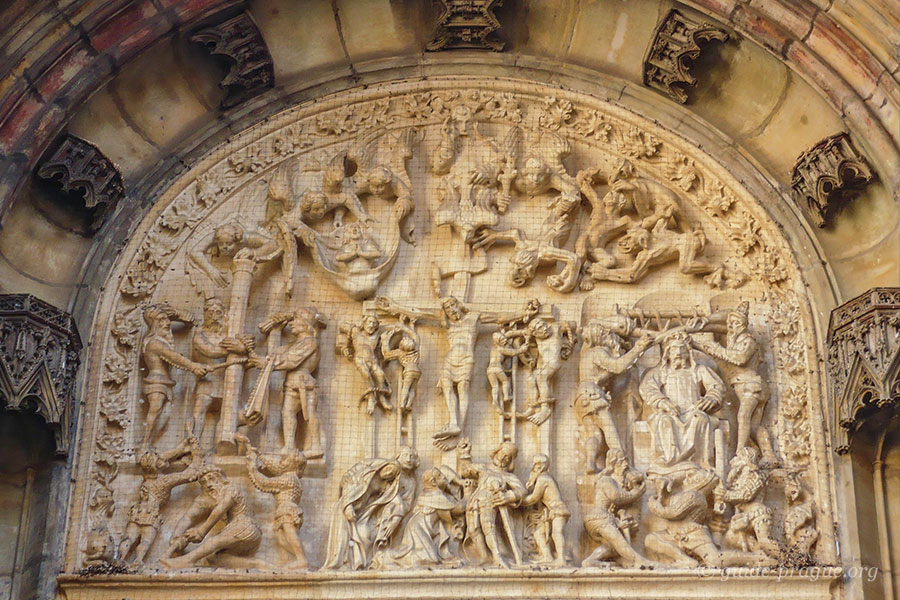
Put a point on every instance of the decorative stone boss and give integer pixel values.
(39, 355)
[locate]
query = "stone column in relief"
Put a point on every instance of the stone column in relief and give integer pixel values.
(234, 374)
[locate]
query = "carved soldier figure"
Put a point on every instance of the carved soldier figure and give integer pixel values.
(360, 343)
(221, 500)
(686, 539)
(299, 360)
(210, 342)
(144, 517)
(231, 240)
(375, 495)
(279, 475)
(407, 354)
(497, 489)
(616, 488)
(456, 373)
(603, 357)
(159, 355)
(683, 396)
(751, 526)
(742, 350)
(552, 514)
(554, 343)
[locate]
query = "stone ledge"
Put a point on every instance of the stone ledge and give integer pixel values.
(732, 584)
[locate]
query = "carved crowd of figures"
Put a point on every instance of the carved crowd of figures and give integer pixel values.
(663, 477)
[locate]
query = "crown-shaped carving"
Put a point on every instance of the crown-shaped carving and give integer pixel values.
(677, 42)
(39, 355)
(863, 360)
(829, 175)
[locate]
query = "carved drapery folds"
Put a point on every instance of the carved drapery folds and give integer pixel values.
(829, 175)
(467, 24)
(39, 355)
(79, 166)
(593, 303)
(864, 360)
(239, 41)
(678, 41)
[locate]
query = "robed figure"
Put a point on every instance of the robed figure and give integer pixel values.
(375, 495)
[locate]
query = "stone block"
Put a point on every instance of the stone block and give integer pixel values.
(156, 96)
(798, 123)
(302, 37)
(100, 122)
(740, 87)
(613, 36)
(373, 28)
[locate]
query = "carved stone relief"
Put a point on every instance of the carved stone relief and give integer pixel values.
(590, 355)
(78, 165)
(467, 24)
(677, 42)
(863, 360)
(829, 175)
(40, 351)
(239, 41)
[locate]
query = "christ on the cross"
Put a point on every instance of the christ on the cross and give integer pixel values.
(462, 324)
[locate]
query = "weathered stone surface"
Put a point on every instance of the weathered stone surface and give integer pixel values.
(240, 42)
(78, 166)
(829, 175)
(404, 226)
(863, 354)
(39, 356)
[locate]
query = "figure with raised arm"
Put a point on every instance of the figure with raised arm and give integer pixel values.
(145, 515)
(279, 475)
(497, 373)
(742, 350)
(158, 356)
(231, 240)
(554, 342)
(299, 360)
(497, 490)
(462, 326)
(406, 352)
(361, 344)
